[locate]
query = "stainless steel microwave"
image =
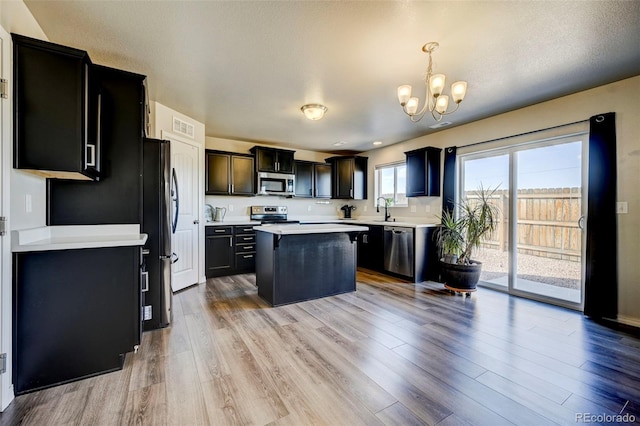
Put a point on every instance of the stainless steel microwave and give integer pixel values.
(276, 184)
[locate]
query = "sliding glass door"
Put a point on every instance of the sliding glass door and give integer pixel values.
(540, 194)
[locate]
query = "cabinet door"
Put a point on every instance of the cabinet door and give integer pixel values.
(218, 173)
(304, 179)
(343, 178)
(266, 159)
(322, 180)
(242, 175)
(219, 255)
(285, 162)
(423, 172)
(51, 109)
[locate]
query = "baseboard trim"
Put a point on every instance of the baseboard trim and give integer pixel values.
(630, 321)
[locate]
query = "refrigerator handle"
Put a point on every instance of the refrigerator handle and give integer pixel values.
(174, 193)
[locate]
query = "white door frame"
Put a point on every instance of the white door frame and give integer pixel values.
(166, 135)
(6, 286)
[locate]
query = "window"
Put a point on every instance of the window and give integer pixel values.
(391, 182)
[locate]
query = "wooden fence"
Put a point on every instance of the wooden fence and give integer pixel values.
(547, 222)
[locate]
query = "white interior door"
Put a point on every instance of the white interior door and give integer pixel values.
(184, 242)
(6, 386)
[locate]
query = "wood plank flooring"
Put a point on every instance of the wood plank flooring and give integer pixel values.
(391, 353)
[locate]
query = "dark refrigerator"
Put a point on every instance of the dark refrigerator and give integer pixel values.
(160, 197)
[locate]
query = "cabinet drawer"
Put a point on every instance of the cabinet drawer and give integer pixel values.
(245, 248)
(218, 230)
(245, 261)
(244, 229)
(245, 239)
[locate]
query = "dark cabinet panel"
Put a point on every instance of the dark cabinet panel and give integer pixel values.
(219, 250)
(371, 248)
(304, 179)
(92, 203)
(229, 174)
(349, 177)
(322, 180)
(273, 160)
(423, 172)
(56, 131)
(76, 313)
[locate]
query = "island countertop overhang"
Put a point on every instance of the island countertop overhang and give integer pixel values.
(317, 228)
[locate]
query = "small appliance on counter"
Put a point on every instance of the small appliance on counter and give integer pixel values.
(347, 210)
(270, 214)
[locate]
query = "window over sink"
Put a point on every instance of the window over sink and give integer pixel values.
(391, 182)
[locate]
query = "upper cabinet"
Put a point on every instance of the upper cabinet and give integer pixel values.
(313, 180)
(349, 177)
(423, 172)
(229, 174)
(273, 160)
(57, 107)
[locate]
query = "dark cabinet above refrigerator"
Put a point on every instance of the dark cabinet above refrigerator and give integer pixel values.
(57, 107)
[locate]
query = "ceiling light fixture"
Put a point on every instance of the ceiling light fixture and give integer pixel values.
(435, 101)
(314, 111)
(377, 143)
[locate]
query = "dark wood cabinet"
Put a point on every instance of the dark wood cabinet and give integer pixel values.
(304, 172)
(371, 248)
(229, 173)
(76, 314)
(423, 172)
(229, 250)
(349, 177)
(219, 250)
(322, 180)
(273, 160)
(313, 180)
(72, 202)
(57, 111)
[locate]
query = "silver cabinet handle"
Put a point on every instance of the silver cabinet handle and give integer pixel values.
(248, 238)
(248, 247)
(248, 256)
(230, 242)
(218, 230)
(145, 281)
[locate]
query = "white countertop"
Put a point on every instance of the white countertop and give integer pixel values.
(317, 220)
(318, 228)
(76, 237)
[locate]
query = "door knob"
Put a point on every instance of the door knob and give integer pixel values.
(195, 222)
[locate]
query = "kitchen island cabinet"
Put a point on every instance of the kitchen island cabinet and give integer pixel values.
(77, 303)
(296, 262)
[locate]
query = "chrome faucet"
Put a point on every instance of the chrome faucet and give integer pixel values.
(387, 215)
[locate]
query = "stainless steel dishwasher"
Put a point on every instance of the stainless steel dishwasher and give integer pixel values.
(398, 250)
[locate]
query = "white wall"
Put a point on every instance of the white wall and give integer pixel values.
(15, 17)
(623, 98)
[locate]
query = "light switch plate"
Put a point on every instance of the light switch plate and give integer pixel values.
(622, 207)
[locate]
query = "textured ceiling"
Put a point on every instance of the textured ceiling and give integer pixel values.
(245, 68)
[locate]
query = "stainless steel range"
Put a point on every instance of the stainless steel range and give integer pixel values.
(271, 214)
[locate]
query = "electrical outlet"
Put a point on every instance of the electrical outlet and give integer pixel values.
(28, 207)
(147, 313)
(622, 207)
(413, 209)
(230, 207)
(308, 208)
(365, 208)
(427, 209)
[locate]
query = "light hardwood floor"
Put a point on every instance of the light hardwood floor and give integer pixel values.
(390, 353)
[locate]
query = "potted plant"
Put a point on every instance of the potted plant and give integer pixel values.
(460, 233)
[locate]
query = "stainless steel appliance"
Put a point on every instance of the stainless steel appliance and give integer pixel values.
(161, 203)
(398, 250)
(271, 214)
(276, 184)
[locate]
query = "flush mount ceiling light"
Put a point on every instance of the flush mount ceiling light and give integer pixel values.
(314, 111)
(435, 101)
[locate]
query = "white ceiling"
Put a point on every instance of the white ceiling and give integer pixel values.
(245, 68)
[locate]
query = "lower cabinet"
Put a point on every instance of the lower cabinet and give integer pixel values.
(76, 314)
(371, 249)
(229, 250)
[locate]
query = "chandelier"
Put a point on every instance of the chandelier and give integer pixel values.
(435, 101)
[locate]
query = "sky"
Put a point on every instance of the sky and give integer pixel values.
(556, 166)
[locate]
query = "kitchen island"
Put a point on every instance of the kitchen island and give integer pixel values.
(297, 262)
